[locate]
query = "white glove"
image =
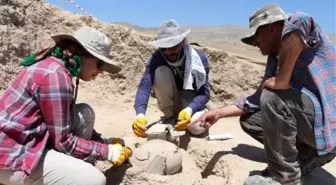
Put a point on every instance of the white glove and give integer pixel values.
(118, 154)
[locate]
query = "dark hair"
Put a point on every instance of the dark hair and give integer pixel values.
(68, 48)
(73, 47)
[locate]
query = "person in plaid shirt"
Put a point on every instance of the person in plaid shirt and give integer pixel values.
(293, 112)
(45, 138)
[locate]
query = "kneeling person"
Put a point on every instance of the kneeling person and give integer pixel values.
(178, 75)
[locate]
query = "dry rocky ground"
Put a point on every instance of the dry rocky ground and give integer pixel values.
(26, 26)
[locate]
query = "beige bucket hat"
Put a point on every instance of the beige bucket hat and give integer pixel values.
(169, 34)
(96, 43)
(266, 14)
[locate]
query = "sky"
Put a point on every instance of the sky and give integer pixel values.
(150, 13)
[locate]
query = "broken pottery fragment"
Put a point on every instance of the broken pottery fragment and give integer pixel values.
(163, 131)
(157, 156)
(157, 131)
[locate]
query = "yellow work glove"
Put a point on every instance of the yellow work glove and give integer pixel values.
(183, 119)
(139, 125)
(115, 140)
(118, 154)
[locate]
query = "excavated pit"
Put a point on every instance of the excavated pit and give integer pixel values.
(200, 165)
(210, 161)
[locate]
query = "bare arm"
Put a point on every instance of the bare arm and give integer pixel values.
(229, 111)
(212, 116)
(290, 51)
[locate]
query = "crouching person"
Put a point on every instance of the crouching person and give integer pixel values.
(45, 138)
(293, 112)
(178, 74)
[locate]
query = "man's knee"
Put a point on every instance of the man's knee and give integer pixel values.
(162, 80)
(251, 124)
(162, 74)
(268, 98)
(244, 124)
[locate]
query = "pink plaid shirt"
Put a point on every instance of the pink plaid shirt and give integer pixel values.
(35, 117)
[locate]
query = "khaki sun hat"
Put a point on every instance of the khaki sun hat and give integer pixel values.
(267, 14)
(96, 43)
(169, 34)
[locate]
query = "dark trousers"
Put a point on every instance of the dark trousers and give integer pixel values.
(285, 125)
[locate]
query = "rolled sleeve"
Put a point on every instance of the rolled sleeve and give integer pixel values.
(303, 24)
(252, 102)
(240, 102)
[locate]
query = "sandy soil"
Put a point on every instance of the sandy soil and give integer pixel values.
(27, 26)
(204, 162)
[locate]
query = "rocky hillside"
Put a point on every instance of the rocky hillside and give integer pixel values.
(26, 25)
(225, 37)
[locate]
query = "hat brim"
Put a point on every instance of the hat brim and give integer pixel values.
(249, 36)
(108, 66)
(170, 41)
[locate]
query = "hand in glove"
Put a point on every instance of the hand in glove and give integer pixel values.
(114, 140)
(183, 119)
(139, 125)
(118, 154)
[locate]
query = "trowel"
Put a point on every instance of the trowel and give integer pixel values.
(163, 130)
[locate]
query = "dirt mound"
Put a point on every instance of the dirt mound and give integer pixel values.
(230, 78)
(202, 164)
(26, 25)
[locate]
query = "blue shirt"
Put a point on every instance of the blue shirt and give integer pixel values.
(146, 84)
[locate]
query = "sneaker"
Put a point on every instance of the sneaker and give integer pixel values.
(264, 178)
(260, 180)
